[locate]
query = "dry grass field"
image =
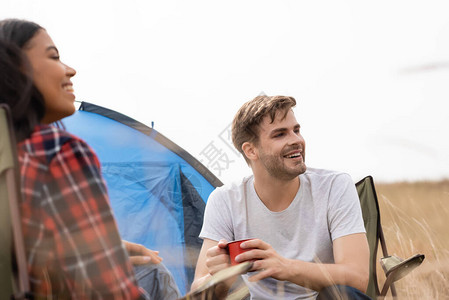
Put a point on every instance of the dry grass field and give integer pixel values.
(415, 219)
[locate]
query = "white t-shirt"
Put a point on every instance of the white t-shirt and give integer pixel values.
(325, 208)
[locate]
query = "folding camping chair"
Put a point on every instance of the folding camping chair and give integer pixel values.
(394, 267)
(14, 283)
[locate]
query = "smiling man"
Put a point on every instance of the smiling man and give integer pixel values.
(306, 225)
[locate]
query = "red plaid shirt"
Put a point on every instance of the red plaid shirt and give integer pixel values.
(73, 246)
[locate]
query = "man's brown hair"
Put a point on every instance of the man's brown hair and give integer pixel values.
(250, 115)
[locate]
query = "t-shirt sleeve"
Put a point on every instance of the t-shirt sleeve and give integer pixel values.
(217, 222)
(345, 214)
(88, 245)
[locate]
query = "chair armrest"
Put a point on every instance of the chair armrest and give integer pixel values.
(239, 294)
(398, 268)
(206, 290)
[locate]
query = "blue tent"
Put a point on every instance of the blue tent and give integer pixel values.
(157, 190)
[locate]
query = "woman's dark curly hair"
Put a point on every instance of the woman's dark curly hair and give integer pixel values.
(16, 84)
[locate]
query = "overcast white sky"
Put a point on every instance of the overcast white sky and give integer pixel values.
(371, 77)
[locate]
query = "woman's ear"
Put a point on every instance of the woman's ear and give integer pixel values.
(250, 150)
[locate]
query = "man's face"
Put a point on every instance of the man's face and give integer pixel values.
(281, 148)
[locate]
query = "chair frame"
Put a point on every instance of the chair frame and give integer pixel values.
(20, 280)
(380, 238)
(400, 267)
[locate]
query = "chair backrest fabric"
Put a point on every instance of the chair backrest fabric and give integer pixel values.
(6, 164)
(371, 217)
(14, 281)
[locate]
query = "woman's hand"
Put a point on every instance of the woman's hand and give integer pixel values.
(139, 255)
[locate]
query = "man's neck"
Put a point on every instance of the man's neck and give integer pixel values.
(276, 194)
